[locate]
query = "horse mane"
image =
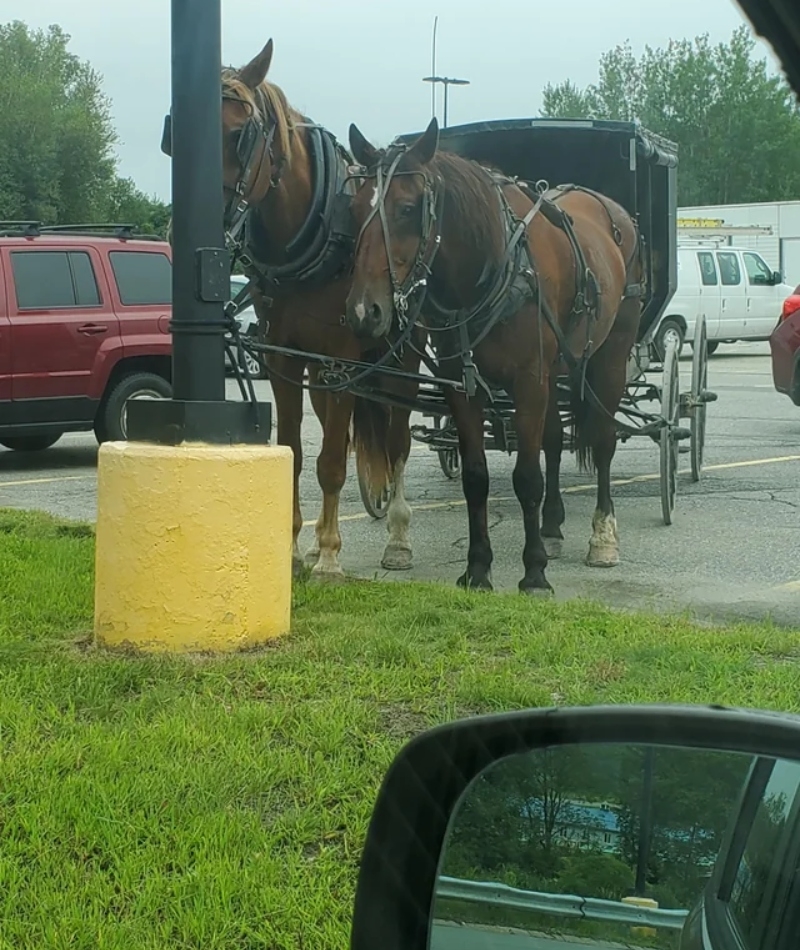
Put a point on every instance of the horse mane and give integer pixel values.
(270, 97)
(469, 194)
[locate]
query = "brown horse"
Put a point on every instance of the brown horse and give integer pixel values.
(288, 194)
(512, 282)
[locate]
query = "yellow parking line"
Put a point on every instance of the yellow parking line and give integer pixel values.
(44, 481)
(575, 489)
(790, 587)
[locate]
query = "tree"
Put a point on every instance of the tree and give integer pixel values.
(56, 161)
(737, 127)
(128, 205)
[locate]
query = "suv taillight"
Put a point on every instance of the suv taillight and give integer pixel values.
(790, 305)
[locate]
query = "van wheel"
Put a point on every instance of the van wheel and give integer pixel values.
(669, 330)
(111, 424)
(31, 443)
(712, 346)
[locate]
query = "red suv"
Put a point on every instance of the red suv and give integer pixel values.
(785, 346)
(84, 326)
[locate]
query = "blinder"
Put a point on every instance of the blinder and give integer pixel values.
(247, 142)
(166, 135)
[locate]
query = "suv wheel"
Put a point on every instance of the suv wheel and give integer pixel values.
(111, 424)
(31, 443)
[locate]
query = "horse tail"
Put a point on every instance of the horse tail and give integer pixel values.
(580, 412)
(370, 441)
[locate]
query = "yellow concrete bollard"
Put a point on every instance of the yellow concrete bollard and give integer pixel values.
(194, 546)
(642, 902)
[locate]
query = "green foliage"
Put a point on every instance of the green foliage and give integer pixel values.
(57, 163)
(737, 127)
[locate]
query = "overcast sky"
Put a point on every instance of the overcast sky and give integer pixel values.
(341, 61)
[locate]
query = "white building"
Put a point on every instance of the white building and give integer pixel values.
(780, 248)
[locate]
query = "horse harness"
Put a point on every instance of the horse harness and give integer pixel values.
(516, 280)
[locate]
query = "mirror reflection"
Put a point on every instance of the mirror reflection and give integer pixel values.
(608, 845)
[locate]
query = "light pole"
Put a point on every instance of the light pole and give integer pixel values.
(446, 81)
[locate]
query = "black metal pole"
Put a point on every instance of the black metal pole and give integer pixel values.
(645, 822)
(198, 323)
(198, 411)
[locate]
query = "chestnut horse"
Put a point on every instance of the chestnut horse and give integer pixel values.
(288, 194)
(513, 282)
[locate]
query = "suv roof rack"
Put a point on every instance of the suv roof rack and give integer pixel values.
(33, 228)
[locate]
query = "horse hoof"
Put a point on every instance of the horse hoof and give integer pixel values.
(553, 547)
(465, 582)
(336, 576)
(396, 557)
(545, 592)
(602, 557)
(312, 556)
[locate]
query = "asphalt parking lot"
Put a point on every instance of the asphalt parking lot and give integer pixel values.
(733, 550)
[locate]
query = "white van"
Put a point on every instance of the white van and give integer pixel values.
(734, 287)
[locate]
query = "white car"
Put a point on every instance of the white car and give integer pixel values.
(248, 326)
(733, 287)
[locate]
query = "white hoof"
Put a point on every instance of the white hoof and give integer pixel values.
(604, 543)
(553, 547)
(330, 576)
(602, 555)
(312, 556)
(397, 557)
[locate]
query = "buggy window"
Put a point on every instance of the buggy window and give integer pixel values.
(143, 278)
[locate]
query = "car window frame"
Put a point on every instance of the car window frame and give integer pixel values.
(115, 281)
(721, 920)
(710, 255)
(750, 282)
(68, 253)
(739, 268)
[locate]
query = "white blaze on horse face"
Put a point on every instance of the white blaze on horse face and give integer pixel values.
(360, 311)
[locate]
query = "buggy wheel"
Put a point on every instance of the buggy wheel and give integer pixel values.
(376, 505)
(697, 423)
(670, 413)
(449, 459)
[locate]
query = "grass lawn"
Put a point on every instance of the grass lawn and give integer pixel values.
(222, 803)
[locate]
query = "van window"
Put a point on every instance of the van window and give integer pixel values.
(750, 891)
(757, 270)
(143, 278)
(54, 280)
(729, 269)
(708, 269)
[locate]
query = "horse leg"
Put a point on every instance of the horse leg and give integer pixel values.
(398, 553)
(468, 417)
(319, 402)
(530, 411)
(607, 376)
(331, 474)
(286, 378)
(553, 514)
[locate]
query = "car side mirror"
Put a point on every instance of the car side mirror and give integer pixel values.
(777, 277)
(614, 824)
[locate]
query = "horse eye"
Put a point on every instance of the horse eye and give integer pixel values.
(407, 209)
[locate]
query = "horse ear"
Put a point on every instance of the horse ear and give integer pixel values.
(363, 151)
(425, 147)
(255, 72)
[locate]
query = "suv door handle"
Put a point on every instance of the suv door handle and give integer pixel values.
(90, 329)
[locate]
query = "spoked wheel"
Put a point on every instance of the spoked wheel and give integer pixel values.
(670, 412)
(697, 422)
(375, 505)
(449, 459)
